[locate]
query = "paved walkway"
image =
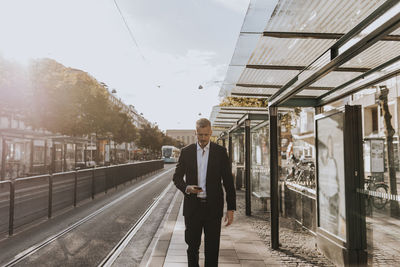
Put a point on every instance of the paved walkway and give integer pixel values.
(240, 245)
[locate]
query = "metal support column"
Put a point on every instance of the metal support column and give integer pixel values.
(247, 166)
(230, 152)
(45, 156)
(3, 158)
(274, 176)
(31, 156)
(75, 154)
(53, 158)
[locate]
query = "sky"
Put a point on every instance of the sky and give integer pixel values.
(177, 45)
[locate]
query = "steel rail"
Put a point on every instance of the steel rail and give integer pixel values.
(24, 254)
(116, 251)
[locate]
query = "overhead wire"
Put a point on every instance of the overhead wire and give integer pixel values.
(134, 39)
(129, 30)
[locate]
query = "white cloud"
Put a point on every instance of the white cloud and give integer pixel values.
(181, 53)
(178, 101)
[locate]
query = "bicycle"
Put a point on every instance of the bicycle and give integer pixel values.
(380, 188)
(302, 172)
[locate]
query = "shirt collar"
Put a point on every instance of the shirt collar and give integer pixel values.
(205, 148)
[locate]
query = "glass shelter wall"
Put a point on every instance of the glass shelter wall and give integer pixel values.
(380, 132)
(297, 167)
(238, 158)
(260, 180)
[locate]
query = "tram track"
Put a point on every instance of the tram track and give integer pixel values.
(119, 247)
(116, 251)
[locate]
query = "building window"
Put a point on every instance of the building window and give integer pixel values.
(374, 117)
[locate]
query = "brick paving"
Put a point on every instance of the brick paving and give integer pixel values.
(298, 246)
(244, 243)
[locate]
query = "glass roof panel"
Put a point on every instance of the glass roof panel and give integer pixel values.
(292, 52)
(376, 55)
(338, 16)
(273, 77)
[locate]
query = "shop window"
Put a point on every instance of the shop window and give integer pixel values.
(371, 120)
(374, 118)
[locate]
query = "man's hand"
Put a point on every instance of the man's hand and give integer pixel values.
(193, 189)
(228, 217)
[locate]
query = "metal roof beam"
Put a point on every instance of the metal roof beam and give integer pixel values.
(321, 102)
(251, 95)
(228, 118)
(224, 112)
(280, 86)
(318, 35)
(348, 47)
(374, 70)
(285, 67)
(243, 109)
(300, 102)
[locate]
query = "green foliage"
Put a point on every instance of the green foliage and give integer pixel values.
(153, 139)
(289, 117)
(62, 100)
(150, 138)
(244, 102)
(167, 140)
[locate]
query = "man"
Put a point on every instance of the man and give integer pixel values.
(205, 165)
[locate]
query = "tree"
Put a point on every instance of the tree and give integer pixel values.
(124, 130)
(389, 132)
(14, 86)
(61, 97)
(71, 102)
(150, 138)
(167, 140)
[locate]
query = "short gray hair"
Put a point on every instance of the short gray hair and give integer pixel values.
(203, 122)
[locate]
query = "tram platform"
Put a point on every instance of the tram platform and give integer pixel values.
(241, 244)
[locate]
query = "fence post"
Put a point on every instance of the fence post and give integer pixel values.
(106, 180)
(93, 186)
(75, 187)
(50, 195)
(115, 177)
(11, 211)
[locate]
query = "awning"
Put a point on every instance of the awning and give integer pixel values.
(311, 52)
(226, 117)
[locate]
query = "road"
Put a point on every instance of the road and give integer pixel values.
(89, 243)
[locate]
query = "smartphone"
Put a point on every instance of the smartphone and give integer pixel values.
(198, 188)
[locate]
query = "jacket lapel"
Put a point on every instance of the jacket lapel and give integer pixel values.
(196, 172)
(210, 159)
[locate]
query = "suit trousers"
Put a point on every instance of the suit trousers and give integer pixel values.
(194, 225)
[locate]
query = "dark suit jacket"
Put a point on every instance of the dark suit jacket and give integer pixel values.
(218, 172)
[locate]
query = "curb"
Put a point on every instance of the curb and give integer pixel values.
(157, 250)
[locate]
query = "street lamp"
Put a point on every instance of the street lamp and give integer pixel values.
(208, 83)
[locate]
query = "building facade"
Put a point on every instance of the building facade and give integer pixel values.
(185, 136)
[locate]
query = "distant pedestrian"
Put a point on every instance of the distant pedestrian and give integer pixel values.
(205, 165)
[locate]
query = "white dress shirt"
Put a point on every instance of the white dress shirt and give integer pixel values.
(202, 162)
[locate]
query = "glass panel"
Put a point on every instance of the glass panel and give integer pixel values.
(381, 170)
(238, 159)
(332, 208)
(260, 182)
(297, 167)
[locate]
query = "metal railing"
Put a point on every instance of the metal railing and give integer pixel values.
(300, 204)
(30, 199)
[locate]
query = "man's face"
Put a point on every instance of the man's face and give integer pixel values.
(203, 135)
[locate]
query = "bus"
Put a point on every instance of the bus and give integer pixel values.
(170, 154)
